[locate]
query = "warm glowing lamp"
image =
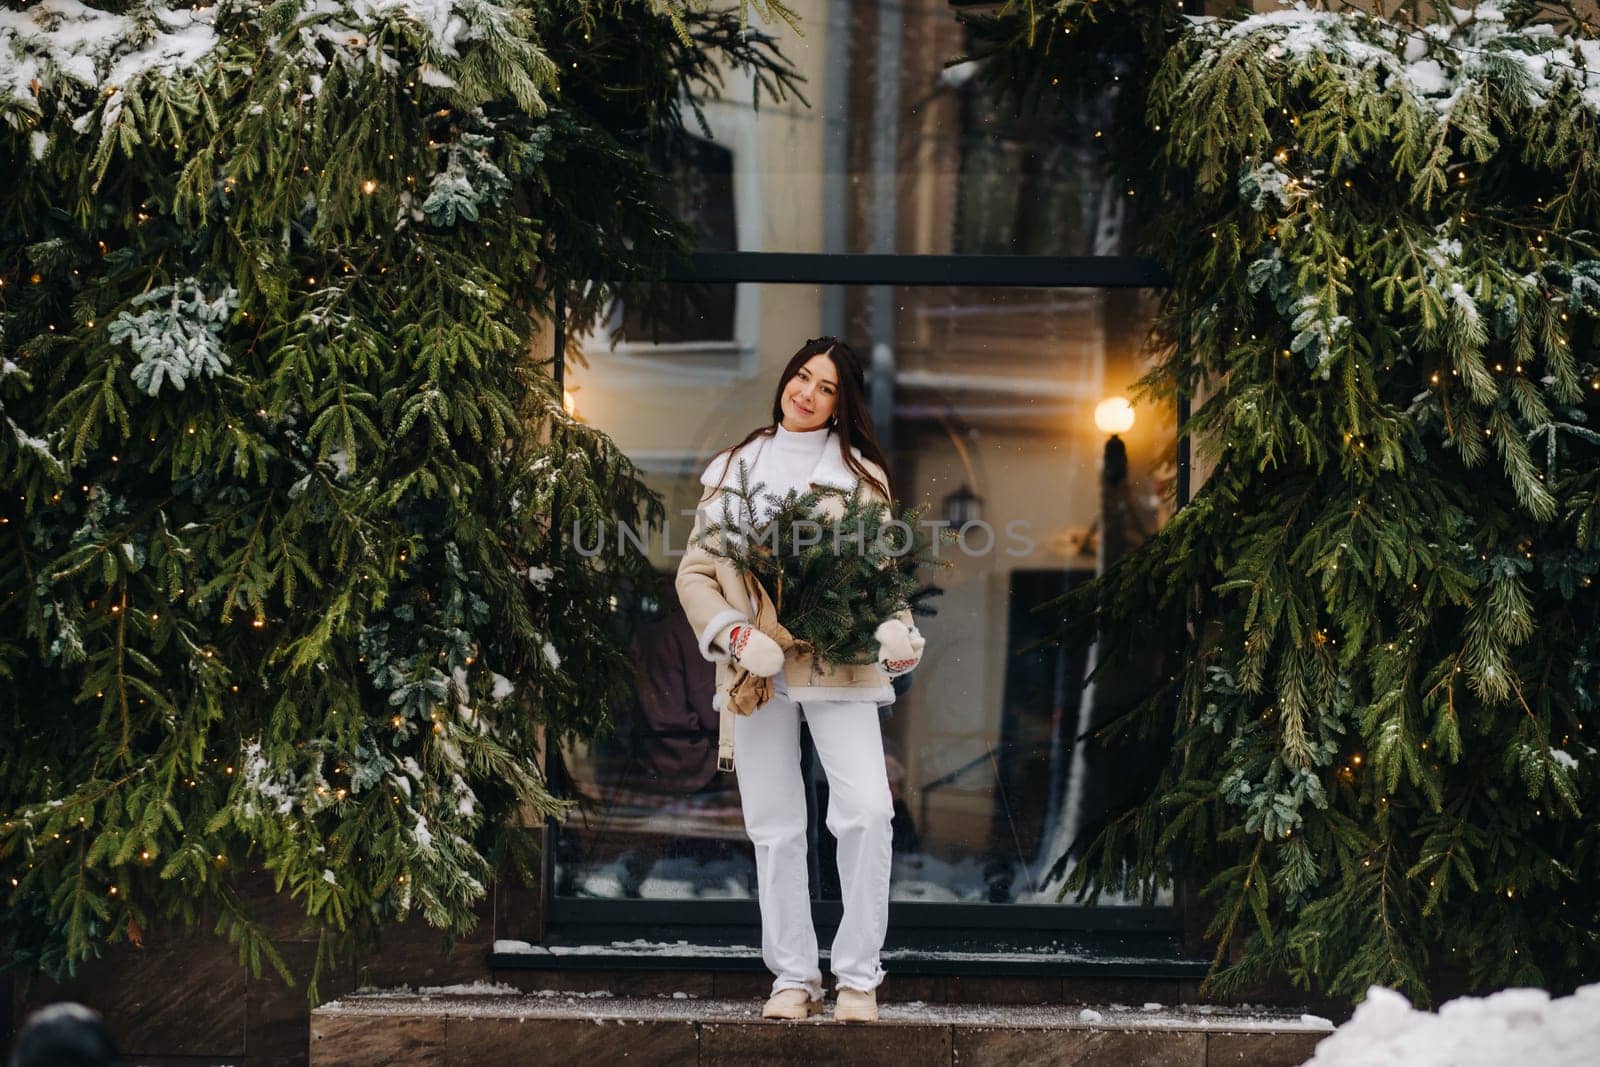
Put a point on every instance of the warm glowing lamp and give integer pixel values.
(569, 403)
(1113, 415)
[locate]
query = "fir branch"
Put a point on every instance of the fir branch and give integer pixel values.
(1381, 308)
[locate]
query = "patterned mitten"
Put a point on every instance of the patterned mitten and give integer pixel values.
(899, 647)
(752, 649)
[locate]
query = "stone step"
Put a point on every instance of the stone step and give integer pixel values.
(970, 988)
(496, 1025)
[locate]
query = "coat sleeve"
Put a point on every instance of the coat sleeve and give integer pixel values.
(705, 604)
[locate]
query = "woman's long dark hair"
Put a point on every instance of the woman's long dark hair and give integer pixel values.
(850, 417)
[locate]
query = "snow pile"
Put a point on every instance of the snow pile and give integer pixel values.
(479, 988)
(1514, 1026)
(637, 947)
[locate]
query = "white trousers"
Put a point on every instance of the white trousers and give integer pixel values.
(772, 793)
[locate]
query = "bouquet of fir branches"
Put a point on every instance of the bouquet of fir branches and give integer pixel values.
(832, 580)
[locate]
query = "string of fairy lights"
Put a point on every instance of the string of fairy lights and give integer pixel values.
(371, 186)
(121, 608)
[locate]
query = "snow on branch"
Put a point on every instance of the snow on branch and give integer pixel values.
(90, 61)
(178, 338)
(1435, 64)
(77, 51)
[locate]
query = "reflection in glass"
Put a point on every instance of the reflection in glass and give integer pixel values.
(984, 398)
(656, 819)
(994, 395)
(702, 193)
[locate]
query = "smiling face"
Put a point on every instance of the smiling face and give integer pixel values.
(810, 397)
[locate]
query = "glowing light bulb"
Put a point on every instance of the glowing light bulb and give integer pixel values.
(1113, 415)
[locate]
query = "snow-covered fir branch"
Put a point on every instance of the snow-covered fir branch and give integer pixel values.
(1435, 64)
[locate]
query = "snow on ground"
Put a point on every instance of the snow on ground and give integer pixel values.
(1525, 1026)
(480, 988)
(1052, 952)
(639, 947)
(604, 1007)
(1517, 1026)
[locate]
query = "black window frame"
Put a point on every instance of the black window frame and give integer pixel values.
(587, 921)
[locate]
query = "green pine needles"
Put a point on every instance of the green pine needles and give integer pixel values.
(278, 589)
(1381, 698)
(832, 581)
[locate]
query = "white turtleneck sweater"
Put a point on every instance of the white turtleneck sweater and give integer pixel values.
(786, 462)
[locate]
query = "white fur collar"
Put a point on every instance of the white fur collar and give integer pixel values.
(830, 469)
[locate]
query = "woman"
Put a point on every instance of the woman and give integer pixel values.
(819, 436)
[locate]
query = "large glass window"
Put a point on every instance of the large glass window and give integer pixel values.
(984, 398)
(1027, 183)
(703, 193)
(992, 394)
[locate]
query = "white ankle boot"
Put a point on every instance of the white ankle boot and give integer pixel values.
(855, 1005)
(790, 1004)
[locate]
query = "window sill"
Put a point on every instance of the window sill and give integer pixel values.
(722, 350)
